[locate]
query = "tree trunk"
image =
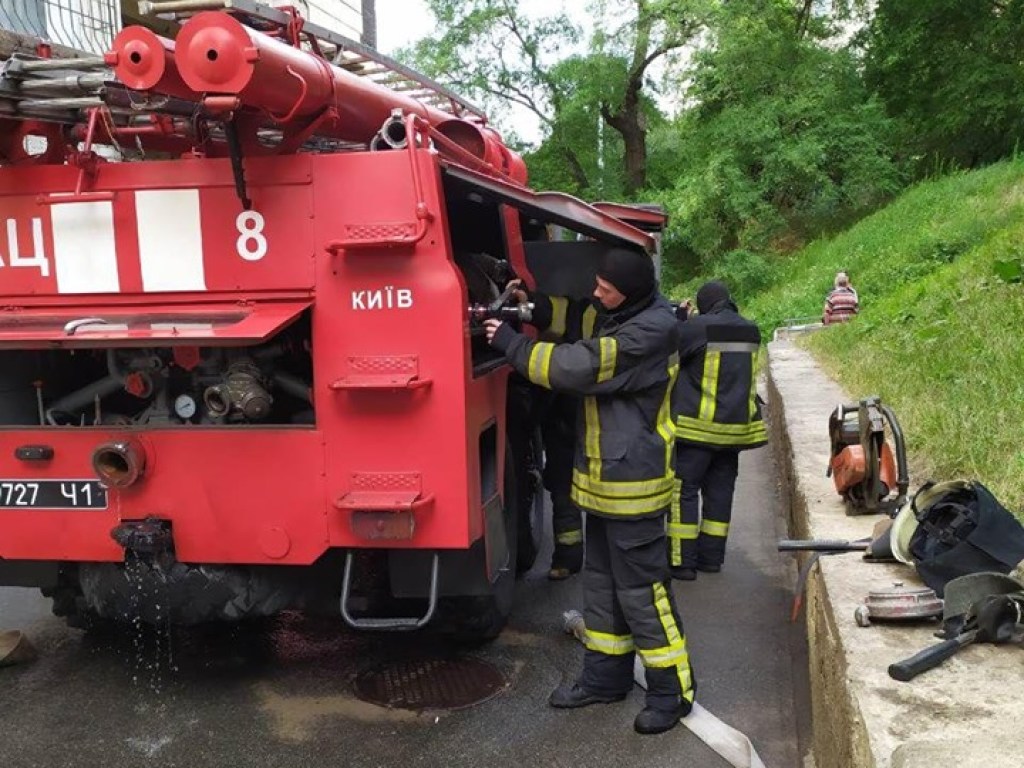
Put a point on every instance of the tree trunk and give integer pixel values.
(629, 121)
(635, 159)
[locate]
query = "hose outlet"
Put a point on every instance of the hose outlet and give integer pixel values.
(119, 464)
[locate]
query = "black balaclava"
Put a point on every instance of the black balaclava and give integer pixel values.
(713, 296)
(632, 274)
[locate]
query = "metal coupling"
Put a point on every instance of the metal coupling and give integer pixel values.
(119, 464)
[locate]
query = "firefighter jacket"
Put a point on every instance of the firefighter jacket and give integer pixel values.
(625, 375)
(715, 402)
(562, 319)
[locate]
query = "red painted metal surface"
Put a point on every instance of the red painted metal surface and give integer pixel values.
(144, 61)
(218, 55)
(234, 495)
(355, 246)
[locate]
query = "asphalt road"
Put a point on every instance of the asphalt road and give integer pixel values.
(282, 694)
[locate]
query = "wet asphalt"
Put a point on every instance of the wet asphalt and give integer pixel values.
(282, 693)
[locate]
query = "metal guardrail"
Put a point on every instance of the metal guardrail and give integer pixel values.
(84, 25)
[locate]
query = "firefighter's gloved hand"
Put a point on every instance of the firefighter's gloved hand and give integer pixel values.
(996, 618)
(491, 327)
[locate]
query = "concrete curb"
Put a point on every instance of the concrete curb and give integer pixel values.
(966, 710)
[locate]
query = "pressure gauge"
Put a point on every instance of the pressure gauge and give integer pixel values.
(185, 407)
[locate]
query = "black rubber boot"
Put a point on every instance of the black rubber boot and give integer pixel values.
(651, 720)
(566, 561)
(708, 567)
(572, 696)
(683, 574)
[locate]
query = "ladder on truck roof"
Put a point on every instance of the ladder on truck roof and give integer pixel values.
(63, 90)
(342, 51)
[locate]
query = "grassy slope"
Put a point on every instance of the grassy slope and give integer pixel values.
(940, 335)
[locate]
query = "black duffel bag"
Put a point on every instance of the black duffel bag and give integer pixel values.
(955, 528)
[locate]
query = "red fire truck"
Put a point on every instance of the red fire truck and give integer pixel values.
(242, 275)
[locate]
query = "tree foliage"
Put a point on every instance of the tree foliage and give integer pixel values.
(589, 97)
(782, 136)
(952, 73)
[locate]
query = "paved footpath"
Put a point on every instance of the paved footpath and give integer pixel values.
(282, 696)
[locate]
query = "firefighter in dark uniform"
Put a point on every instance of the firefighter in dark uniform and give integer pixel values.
(718, 414)
(562, 320)
(623, 479)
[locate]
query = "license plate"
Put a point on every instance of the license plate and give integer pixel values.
(52, 494)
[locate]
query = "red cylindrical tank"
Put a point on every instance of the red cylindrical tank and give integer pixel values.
(144, 61)
(218, 55)
(486, 144)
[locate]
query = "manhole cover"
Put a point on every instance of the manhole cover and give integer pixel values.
(429, 684)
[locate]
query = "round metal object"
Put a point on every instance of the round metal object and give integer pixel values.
(429, 683)
(902, 603)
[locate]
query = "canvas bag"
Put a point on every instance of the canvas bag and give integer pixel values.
(961, 529)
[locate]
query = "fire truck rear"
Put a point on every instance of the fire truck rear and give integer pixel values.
(241, 362)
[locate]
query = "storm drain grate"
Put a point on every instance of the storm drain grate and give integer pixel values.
(429, 683)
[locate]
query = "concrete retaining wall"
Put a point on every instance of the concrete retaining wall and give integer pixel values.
(961, 714)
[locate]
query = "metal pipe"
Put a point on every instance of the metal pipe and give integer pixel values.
(144, 61)
(151, 7)
(393, 132)
(84, 397)
(822, 545)
(82, 83)
(293, 386)
(60, 103)
(216, 54)
(49, 65)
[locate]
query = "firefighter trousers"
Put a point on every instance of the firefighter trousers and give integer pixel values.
(699, 520)
(567, 523)
(558, 430)
(628, 609)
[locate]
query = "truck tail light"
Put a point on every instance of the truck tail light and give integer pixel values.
(119, 464)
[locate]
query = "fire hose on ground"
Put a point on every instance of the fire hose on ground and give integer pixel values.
(725, 740)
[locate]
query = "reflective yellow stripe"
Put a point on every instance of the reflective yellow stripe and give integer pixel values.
(675, 514)
(665, 425)
(668, 656)
(570, 537)
(753, 387)
(609, 351)
(674, 654)
(709, 385)
(668, 621)
(611, 645)
(622, 488)
(714, 528)
(682, 530)
(702, 437)
(718, 428)
(623, 507)
(539, 365)
(593, 435)
(559, 311)
(589, 318)
(688, 428)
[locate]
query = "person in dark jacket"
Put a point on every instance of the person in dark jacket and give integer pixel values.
(718, 414)
(623, 480)
(560, 319)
